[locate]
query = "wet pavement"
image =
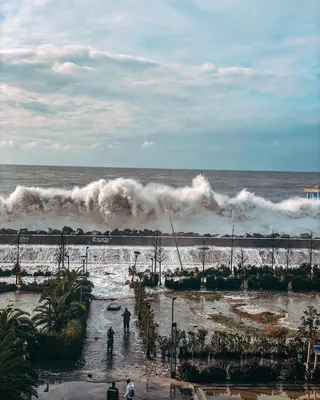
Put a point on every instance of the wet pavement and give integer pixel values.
(90, 390)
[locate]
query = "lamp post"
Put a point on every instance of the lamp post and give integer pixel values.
(203, 251)
(148, 331)
(173, 343)
(83, 264)
(148, 301)
(87, 248)
(49, 314)
(136, 255)
(18, 259)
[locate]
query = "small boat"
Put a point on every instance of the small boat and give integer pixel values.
(113, 307)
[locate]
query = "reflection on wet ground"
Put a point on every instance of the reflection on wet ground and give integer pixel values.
(191, 311)
(260, 394)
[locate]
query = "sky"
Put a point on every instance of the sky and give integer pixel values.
(199, 84)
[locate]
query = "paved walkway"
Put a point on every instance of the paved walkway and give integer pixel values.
(96, 390)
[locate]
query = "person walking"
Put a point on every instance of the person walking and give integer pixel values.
(110, 340)
(126, 319)
(129, 394)
(113, 392)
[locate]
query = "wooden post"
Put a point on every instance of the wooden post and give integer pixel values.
(315, 361)
(309, 354)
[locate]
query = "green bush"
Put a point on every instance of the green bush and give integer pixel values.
(213, 374)
(219, 283)
(292, 370)
(252, 372)
(183, 284)
(189, 372)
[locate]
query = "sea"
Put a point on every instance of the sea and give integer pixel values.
(37, 197)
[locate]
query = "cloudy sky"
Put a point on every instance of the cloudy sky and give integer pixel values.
(208, 84)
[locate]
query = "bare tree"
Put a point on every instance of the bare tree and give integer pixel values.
(243, 256)
(154, 253)
(311, 248)
(159, 255)
(17, 266)
(232, 249)
(202, 255)
(289, 254)
(273, 249)
(60, 253)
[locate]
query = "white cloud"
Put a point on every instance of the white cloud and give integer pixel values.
(5, 143)
(147, 144)
(138, 72)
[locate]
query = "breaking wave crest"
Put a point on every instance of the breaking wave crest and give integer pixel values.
(123, 203)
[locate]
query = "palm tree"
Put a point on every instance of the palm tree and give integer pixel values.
(72, 284)
(16, 321)
(54, 315)
(17, 379)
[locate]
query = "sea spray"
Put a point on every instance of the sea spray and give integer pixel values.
(120, 203)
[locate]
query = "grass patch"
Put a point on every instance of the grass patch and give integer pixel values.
(263, 317)
(234, 325)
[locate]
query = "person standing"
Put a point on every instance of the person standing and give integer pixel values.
(110, 340)
(129, 394)
(126, 319)
(113, 392)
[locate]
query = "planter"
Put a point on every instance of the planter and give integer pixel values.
(8, 288)
(32, 288)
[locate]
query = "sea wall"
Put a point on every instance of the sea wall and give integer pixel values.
(167, 241)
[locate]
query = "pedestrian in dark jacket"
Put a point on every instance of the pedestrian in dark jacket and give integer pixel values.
(113, 392)
(110, 340)
(126, 319)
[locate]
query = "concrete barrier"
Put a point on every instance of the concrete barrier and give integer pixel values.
(183, 241)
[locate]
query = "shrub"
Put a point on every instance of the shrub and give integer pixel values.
(213, 374)
(253, 372)
(189, 372)
(218, 283)
(293, 370)
(183, 284)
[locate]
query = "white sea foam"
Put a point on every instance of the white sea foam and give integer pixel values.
(126, 203)
(108, 265)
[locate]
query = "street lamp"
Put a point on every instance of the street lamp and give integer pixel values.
(49, 314)
(83, 264)
(136, 255)
(202, 251)
(173, 350)
(148, 300)
(87, 248)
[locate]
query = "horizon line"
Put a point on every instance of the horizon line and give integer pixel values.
(157, 168)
